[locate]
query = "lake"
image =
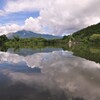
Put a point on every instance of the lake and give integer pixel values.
(49, 73)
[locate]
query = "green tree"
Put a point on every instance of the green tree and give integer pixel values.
(65, 37)
(16, 38)
(95, 38)
(3, 39)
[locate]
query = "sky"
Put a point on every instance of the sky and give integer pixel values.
(56, 17)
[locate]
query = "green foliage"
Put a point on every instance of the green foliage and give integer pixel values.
(16, 38)
(87, 32)
(95, 38)
(87, 51)
(24, 42)
(3, 38)
(68, 38)
(86, 35)
(65, 37)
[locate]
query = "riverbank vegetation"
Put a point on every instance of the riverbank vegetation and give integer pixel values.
(17, 42)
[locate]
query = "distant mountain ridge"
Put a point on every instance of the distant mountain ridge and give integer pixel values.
(29, 34)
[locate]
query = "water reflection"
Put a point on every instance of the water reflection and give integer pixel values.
(56, 75)
(30, 51)
(89, 52)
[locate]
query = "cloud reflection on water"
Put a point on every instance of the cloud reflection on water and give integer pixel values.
(60, 70)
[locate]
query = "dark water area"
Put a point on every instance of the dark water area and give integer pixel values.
(67, 73)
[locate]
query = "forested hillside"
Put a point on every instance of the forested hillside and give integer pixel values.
(91, 33)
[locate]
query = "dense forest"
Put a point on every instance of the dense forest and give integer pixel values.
(89, 34)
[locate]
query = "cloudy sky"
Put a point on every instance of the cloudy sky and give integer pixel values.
(56, 17)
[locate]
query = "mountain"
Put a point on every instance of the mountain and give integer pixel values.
(29, 34)
(88, 31)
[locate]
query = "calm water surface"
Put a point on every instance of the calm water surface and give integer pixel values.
(47, 74)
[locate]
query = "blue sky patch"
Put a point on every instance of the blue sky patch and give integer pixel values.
(2, 3)
(18, 18)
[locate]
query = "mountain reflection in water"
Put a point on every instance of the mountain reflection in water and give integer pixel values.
(55, 75)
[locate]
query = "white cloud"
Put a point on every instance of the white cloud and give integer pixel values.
(61, 16)
(24, 5)
(33, 25)
(69, 16)
(2, 13)
(9, 29)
